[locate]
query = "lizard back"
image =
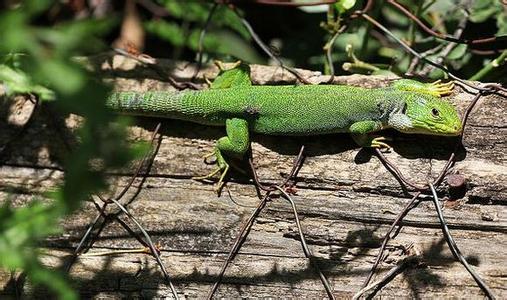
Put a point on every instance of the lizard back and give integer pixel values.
(287, 110)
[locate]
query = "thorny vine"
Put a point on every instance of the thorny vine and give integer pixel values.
(268, 196)
(389, 165)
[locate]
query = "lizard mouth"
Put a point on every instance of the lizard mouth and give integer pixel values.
(436, 128)
(441, 129)
(453, 130)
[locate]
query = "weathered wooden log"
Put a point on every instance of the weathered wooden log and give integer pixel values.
(346, 200)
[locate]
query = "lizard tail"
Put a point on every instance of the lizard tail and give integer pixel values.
(153, 104)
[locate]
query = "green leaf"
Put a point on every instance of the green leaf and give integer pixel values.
(343, 5)
(226, 42)
(483, 10)
(226, 18)
(71, 38)
(169, 31)
(17, 82)
(501, 23)
(23, 225)
(55, 280)
(36, 6)
(190, 11)
(15, 35)
(198, 13)
(63, 76)
(457, 52)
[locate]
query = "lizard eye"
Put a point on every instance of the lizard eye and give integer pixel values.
(435, 112)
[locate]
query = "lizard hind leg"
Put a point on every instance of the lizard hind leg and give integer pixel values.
(437, 88)
(235, 145)
(441, 89)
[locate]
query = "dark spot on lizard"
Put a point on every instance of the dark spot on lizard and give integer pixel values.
(251, 111)
(381, 109)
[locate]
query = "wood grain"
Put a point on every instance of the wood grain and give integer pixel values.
(346, 200)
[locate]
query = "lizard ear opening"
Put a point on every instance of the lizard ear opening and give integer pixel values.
(404, 109)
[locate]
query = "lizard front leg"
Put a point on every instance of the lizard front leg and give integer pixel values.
(235, 144)
(361, 133)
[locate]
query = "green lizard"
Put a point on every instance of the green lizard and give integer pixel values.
(297, 110)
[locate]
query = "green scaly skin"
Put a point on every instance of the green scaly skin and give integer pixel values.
(407, 106)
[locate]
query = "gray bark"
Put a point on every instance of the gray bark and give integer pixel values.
(346, 200)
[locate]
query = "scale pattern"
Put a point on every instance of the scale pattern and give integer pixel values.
(278, 110)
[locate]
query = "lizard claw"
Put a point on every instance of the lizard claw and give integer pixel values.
(221, 65)
(220, 183)
(379, 143)
(208, 82)
(439, 89)
(205, 177)
(207, 156)
(222, 168)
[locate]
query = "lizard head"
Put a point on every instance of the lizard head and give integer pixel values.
(427, 114)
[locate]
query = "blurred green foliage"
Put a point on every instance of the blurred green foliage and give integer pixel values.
(20, 229)
(37, 45)
(295, 36)
(37, 59)
(226, 36)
